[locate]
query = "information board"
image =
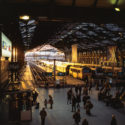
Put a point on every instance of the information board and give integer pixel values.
(6, 46)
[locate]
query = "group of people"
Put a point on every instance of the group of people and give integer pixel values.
(43, 112)
(50, 101)
(75, 97)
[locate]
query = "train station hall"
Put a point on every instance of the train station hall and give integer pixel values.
(62, 62)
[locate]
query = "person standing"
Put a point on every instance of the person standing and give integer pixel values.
(69, 97)
(80, 89)
(45, 103)
(85, 122)
(113, 121)
(88, 106)
(73, 103)
(51, 102)
(76, 89)
(43, 115)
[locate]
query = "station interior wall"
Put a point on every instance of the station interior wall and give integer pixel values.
(4, 71)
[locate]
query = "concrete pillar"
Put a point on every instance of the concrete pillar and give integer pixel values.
(74, 53)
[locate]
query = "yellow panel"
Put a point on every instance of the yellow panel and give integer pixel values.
(105, 3)
(84, 2)
(64, 2)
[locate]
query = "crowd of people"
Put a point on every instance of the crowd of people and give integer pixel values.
(75, 98)
(78, 98)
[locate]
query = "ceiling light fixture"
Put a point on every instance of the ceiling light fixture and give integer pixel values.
(24, 17)
(117, 9)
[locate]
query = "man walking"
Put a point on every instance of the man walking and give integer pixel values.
(43, 115)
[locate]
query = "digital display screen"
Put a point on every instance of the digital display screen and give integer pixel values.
(6, 46)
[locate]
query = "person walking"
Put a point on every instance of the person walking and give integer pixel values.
(78, 99)
(43, 115)
(113, 121)
(77, 117)
(85, 122)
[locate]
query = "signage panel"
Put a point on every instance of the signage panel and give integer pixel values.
(6, 46)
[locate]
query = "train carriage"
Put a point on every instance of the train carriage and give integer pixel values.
(80, 72)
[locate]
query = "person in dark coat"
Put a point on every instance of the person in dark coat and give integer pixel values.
(85, 122)
(43, 115)
(74, 101)
(80, 89)
(88, 107)
(69, 97)
(76, 89)
(78, 98)
(113, 121)
(35, 95)
(77, 117)
(51, 102)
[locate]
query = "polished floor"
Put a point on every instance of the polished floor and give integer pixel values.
(61, 113)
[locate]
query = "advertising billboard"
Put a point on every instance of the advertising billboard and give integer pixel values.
(6, 46)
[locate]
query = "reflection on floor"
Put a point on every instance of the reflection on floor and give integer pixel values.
(27, 80)
(61, 113)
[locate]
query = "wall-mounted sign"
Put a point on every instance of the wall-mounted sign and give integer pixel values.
(6, 46)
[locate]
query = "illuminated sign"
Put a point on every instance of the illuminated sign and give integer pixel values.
(6, 46)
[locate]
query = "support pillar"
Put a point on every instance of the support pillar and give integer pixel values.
(74, 53)
(54, 69)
